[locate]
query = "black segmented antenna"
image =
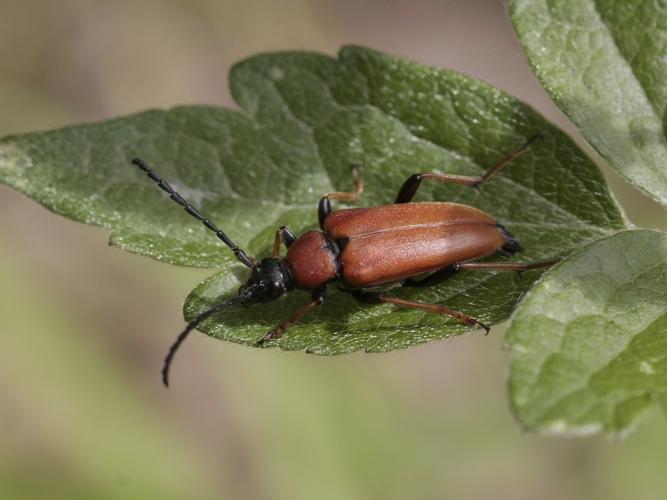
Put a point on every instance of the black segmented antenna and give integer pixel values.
(191, 326)
(162, 184)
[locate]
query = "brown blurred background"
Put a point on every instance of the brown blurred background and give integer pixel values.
(85, 327)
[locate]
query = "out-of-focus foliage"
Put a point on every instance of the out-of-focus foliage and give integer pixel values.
(603, 63)
(590, 340)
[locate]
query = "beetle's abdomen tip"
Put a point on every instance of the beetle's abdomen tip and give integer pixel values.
(511, 245)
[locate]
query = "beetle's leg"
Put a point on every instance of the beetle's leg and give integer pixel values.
(433, 279)
(349, 196)
(379, 298)
(283, 235)
(324, 208)
(505, 266)
(447, 272)
(410, 186)
(277, 332)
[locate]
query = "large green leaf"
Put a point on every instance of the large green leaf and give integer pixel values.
(603, 63)
(589, 342)
(305, 118)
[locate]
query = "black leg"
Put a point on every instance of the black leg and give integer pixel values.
(323, 210)
(433, 279)
(363, 296)
(287, 235)
(283, 235)
(380, 298)
(324, 207)
(410, 186)
(317, 297)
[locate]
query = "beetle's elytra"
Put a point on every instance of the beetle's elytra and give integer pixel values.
(408, 244)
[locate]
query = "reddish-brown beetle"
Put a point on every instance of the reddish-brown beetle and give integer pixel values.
(411, 244)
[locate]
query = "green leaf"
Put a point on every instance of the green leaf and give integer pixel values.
(603, 63)
(589, 342)
(305, 118)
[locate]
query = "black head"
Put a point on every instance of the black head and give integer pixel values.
(270, 279)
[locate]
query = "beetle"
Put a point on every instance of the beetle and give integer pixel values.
(366, 250)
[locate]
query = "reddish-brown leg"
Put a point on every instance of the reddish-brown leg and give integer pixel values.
(505, 266)
(324, 208)
(447, 272)
(277, 332)
(434, 308)
(349, 196)
(410, 186)
(380, 298)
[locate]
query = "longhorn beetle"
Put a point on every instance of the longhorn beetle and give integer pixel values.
(363, 248)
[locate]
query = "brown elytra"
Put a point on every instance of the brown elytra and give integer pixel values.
(390, 243)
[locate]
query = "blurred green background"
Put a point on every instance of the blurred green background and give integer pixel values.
(85, 327)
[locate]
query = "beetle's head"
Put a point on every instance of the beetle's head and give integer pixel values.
(270, 279)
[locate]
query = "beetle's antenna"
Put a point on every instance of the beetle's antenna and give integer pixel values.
(191, 326)
(162, 184)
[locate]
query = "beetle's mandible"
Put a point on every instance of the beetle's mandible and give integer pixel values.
(405, 243)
